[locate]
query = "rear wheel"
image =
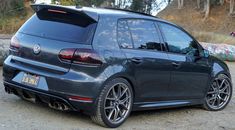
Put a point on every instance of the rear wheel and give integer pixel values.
(114, 103)
(219, 93)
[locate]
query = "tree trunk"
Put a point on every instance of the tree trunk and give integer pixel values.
(221, 2)
(231, 7)
(180, 4)
(198, 4)
(207, 8)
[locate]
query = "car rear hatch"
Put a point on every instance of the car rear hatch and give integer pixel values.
(52, 30)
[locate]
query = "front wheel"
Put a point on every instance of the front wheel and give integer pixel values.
(219, 93)
(114, 104)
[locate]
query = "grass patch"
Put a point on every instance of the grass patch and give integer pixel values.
(210, 37)
(9, 25)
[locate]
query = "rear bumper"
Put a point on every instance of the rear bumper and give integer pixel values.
(74, 83)
(40, 96)
(54, 84)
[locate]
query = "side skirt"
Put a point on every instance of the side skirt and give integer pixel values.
(165, 104)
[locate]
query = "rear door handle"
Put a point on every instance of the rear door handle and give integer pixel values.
(137, 60)
(175, 64)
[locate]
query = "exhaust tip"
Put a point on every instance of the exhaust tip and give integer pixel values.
(8, 90)
(59, 106)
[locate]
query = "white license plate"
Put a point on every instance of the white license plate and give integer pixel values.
(31, 80)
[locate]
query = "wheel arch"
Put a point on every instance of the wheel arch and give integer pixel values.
(130, 80)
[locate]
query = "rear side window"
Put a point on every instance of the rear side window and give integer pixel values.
(63, 27)
(144, 34)
(124, 36)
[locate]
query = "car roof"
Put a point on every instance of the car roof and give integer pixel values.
(95, 12)
(121, 13)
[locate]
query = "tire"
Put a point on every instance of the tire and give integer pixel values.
(108, 105)
(218, 96)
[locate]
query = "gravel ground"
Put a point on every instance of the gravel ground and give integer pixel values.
(17, 114)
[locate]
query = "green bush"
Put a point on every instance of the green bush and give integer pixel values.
(11, 8)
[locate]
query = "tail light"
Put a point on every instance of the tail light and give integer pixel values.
(66, 55)
(56, 11)
(15, 44)
(80, 56)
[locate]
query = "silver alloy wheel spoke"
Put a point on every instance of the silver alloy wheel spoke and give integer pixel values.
(112, 99)
(218, 102)
(213, 103)
(117, 103)
(124, 100)
(110, 107)
(221, 85)
(124, 91)
(122, 105)
(225, 93)
(119, 91)
(110, 114)
(212, 98)
(115, 115)
(223, 89)
(211, 92)
(114, 93)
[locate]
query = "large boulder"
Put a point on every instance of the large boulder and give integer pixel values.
(4, 49)
(222, 51)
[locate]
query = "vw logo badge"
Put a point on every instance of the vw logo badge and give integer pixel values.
(36, 49)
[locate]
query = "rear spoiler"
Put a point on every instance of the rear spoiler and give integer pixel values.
(92, 16)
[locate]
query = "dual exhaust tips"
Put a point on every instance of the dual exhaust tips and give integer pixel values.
(55, 104)
(59, 106)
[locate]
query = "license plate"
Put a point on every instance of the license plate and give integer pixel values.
(29, 79)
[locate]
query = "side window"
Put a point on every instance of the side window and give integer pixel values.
(124, 36)
(178, 41)
(144, 34)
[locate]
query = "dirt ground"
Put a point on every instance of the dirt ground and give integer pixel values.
(16, 114)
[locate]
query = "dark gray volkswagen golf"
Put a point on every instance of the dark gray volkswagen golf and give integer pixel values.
(108, 62)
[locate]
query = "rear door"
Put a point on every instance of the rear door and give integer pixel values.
(50, 30)
(141, 43)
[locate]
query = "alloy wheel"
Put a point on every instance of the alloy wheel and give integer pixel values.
(117, 103)
(219, 93)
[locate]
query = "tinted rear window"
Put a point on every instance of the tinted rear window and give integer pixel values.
(63, 27)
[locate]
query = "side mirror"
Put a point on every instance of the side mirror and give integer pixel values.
(206, 53)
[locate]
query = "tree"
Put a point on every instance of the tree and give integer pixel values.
(137, 5)
(11, 7)
(123, 4)
(231, 7)
(180, 4)
(198, 4)
(207, 6)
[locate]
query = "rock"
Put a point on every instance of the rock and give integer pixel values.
(222, 51)
(4, 48)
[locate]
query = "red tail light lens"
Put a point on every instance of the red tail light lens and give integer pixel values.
(15, 44)
(66, 55)
(80, 56)
(87, 56)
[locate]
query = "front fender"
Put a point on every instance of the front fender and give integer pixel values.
(219, 67)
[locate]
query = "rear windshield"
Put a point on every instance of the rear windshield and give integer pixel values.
(64, 27)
